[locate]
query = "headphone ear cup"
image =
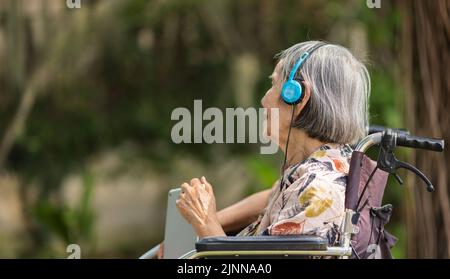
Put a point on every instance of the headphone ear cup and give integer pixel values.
(302, 92)
(292, 92)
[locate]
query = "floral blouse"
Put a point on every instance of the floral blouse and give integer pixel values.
(310, 199)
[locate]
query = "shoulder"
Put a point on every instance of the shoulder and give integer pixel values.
(329, 159)
(325, 166)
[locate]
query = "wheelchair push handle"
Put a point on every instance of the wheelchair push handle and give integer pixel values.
(379, 129)
(405, 139)
(420, 142)
(388, 139)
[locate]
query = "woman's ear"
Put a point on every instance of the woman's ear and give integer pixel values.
(305, 98)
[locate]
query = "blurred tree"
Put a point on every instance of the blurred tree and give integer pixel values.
(426, 58)
(78, 82)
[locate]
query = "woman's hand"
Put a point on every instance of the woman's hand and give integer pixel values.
(197, 205)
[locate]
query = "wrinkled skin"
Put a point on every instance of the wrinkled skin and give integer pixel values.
(197, 205)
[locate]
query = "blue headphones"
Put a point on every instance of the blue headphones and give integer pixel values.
(292, 90)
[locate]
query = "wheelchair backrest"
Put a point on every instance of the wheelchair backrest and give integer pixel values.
(372, 241)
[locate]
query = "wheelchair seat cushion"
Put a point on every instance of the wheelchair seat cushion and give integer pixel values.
(262, 243)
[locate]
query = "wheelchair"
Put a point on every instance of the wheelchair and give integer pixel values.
(362, 234)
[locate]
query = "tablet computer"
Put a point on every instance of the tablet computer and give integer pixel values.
(179, 236)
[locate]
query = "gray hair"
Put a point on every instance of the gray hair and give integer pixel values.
(337, 111)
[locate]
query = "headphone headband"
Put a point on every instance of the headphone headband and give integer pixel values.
(303, 58)
(292, 91)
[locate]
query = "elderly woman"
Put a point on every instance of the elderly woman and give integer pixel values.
(327, 114)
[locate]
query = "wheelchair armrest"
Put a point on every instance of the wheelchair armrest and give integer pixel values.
(262, 243)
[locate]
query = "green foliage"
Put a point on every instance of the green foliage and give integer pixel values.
(154, 56)
(264, 173)
(70, 225)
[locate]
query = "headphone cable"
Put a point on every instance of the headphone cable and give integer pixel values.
(286, 148)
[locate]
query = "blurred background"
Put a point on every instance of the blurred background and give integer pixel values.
(86, 96)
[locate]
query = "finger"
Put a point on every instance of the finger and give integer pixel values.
(187, 192)
(182, 196)
(185, 200)
(208, 186)
(185, 187)
(180, 205)
(200, 186)
(195, 182)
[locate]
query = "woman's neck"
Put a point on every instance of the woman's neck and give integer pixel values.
(300, 147)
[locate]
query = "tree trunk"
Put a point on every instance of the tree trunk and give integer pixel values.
(425, 60)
